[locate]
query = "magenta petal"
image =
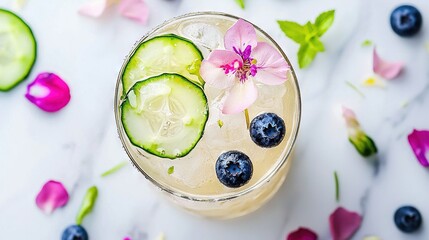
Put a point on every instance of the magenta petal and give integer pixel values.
(212, 71)
(419, 142)
(49, 92)
(136, 10)
(52, 196)
(240, 97)
(240, 35)
(94, 8)
(343, 223)
(302, 234)
(385, 69)
(271, 66)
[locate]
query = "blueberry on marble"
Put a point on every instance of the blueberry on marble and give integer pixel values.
(234, 169)
(408, 219)
(75, 232)
(267, 130)
(406, 20)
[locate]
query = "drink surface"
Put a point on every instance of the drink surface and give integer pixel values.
(194, 174)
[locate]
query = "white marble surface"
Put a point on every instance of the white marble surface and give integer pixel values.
(80, 142)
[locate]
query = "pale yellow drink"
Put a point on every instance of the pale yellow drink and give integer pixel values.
(194, 185)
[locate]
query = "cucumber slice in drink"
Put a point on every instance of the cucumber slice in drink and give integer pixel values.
(163, 54)
(165, 115)
(17, 50)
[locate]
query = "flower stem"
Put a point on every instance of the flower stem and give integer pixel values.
(246, 116)
(337, 186)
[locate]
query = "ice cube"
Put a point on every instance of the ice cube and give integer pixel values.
(206, 35)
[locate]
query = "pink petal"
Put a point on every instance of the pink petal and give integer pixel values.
(350, 118)
(302, 234)
(212, 72)
(240, 35)
(419, 142)
(95, 8)
(343, 223)
(52, 196)
(136, 10)
(49, 92)
(127, 238)
(240, 97)
(387, 70)
(272, 67)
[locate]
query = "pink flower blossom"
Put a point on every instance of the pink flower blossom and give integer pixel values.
(136, 10)
(419, 142)
(302, 234)
(244, 60)
(343, 223)
(49, 92)
(387, 70)
(53, 195)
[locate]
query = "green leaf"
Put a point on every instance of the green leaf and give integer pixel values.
(306, 55)
(114, 169)
(366, 43)
(316, 44)
(293, 30)
(240, 3)
(363, 144)
(87, 204)
(220, 123)
(337, 186)
(170, 170)
(324, 21)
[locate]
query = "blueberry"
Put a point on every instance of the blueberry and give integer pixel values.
(406, 20)
(408, 219)
(234, 169)
(75, 232)
(267, 130)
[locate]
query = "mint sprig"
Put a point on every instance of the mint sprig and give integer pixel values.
(308, 36)
(240, 3)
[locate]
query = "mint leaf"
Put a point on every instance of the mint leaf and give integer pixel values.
(293, 30)
(170, 170)
(240, 3)
(306, 55)
(324, 21)
(316, 44)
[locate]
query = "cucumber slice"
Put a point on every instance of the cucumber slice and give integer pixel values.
(17, 50)
(163, 54)
(165, 115)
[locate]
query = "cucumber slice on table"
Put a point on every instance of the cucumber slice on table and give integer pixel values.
(165, 115)
(163, 54)
(17, 50)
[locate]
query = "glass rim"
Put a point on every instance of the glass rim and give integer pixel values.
(166, 188)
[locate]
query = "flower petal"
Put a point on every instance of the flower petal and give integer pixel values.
(95, 8)
(373, 82)
(302, 234)
(212, 72)
(271, 66)
(49, 92)
(240, 35)
(385, 69)
(343, 223)
(419, 142)
(240, 97)
(52, 196)
(136, 10)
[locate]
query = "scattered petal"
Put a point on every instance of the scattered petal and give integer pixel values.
(272, 67)
(362, 142)
(240, 97)
(240, 35)
(366, 43)
(49, 92)
(419, 142)
(95, 8)
(127, 238)
(373, 82)
(343, 223)
(212, 70)
(387, 70)
(302, 234)
(136, 10)
(87, 204)
(53, 195)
